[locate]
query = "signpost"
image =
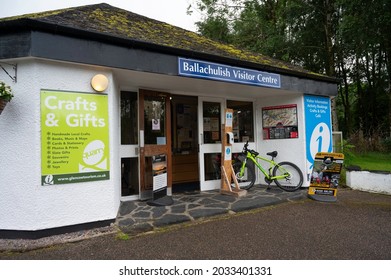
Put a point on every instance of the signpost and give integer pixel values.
(227, 172)
(317, 111)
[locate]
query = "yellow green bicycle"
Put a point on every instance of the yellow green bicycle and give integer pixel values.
(285, 175)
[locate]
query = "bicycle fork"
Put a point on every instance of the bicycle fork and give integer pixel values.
(241, 172)
(267, 178)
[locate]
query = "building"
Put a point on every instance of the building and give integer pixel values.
(70, 153)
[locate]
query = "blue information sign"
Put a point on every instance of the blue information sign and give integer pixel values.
(317, 127)
(221, 72)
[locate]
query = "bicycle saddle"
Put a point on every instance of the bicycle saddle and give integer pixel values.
(273, 154)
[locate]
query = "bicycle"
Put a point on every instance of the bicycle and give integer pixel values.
(286, 175)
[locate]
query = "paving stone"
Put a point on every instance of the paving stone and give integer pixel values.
(188, 199)
(274, 190)
(137, 228)
(142, 214)
(171, 219)
(227, 198)
(178, 209)
(207, 212)
(127, 207)
(157, 212)
(207, 201)
(126, 222)
(223, 205)
(192, 205)
(247, 204)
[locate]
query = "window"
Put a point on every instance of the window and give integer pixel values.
(129, 176)
(243, 120)
(212, 123)
(129, 127)
(212, 163)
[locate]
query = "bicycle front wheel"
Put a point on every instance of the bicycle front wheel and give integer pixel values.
(248, 179)
(293, 176)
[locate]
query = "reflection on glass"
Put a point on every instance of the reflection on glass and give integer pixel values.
(212, 122)
(185, 124)
(154, 120)
(212, 163)
(129, 132)
(129, 176)
(243, 120)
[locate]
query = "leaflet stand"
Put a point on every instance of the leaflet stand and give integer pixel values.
(227, 172)
(159, 173)
(325, 176)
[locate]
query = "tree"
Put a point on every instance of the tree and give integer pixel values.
(343, 38)
(366, 69)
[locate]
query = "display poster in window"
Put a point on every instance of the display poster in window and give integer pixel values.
(214, 124)
(155, 124)
(280, 122)
(207, 124)
(74, 137)
(228, 119)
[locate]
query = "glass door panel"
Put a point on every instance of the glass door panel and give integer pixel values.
(210, 114)
(129, 146)
(155, 137)
(154, 120)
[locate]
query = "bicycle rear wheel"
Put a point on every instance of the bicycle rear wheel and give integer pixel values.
(294, 178)
(248, 179)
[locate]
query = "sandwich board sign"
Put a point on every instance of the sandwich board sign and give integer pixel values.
(325, 176)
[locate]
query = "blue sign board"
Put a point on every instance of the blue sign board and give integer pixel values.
(317, 127)
(220, 72)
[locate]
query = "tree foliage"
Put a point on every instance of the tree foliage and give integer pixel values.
(348, 39)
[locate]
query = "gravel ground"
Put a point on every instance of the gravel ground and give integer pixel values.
(355, 227)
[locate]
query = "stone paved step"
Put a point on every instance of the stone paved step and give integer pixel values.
(138, 216)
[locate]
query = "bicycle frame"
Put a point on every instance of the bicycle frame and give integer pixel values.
(271, 162)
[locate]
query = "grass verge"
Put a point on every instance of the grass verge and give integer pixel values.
(371, 161)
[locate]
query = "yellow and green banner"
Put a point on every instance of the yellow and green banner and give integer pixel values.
(74, 137)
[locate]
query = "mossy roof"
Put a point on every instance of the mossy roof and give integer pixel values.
(105, 22)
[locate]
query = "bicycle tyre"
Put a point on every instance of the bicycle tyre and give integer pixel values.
(247, 180)
(293, 182)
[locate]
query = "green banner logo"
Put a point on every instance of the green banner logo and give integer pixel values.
(74, 137)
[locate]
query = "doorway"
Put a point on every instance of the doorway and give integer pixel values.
(155, 141)
(186, 130)
(185, 167)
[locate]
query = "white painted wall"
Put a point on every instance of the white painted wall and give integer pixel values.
(369, 181)
(24, 203)
(292, 150)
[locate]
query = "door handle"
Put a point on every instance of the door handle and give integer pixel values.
(141, 138)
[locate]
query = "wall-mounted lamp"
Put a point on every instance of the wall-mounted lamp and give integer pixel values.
(99, 82)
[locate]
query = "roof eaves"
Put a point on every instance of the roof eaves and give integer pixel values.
(36, 24)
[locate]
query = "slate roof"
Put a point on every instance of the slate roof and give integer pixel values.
(117, 26)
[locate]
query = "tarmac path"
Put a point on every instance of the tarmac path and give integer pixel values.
(357, 226)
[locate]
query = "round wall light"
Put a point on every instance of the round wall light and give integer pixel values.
(99, 82)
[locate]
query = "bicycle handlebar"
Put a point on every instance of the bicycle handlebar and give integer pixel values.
(245, 149)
